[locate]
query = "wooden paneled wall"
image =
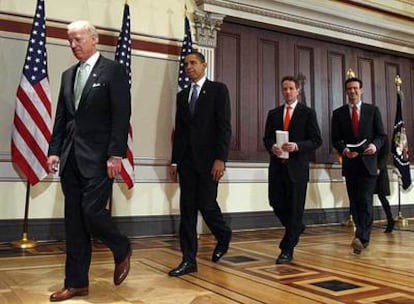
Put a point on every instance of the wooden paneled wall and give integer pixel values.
(252, 60)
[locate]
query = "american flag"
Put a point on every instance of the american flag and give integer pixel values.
(399, 145)
(123, 56)
(32, 123)
(187, 47)
(183, 79)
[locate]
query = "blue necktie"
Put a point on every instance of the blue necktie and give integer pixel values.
(193, 99)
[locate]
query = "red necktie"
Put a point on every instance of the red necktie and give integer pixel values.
(286, 121)
(355, 120)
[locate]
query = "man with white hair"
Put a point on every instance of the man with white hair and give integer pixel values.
(88, 143)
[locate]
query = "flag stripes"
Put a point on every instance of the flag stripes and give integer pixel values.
(123, 56)
(32, 122)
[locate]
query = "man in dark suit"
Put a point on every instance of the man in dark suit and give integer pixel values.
(382, 186)
(288, 177)
(88, 142)
(200, 150)
(351, 124)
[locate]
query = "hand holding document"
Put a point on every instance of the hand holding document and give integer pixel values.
(282, 137)
(358, 147)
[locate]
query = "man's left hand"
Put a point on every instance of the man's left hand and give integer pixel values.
(113, 166)
(290, 147)
(370, 150)
(217, 171)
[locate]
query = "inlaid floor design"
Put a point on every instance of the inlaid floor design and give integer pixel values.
(324, 270)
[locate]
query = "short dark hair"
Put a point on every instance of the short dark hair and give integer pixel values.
(291, 78)
(354, 79)
(198, 55)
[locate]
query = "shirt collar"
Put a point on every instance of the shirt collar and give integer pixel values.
(358, 105)
(92, 60)
(201, 81)
(292, 105)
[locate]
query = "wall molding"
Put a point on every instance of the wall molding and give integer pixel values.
(56, 31)
(140, 226)
(360, 24)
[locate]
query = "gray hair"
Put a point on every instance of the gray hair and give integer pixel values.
(84, 25)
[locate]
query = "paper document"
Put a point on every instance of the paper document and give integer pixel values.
(282, 137)
(358, 147)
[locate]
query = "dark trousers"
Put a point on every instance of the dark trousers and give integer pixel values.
(360, 193)
(386, 206)
(86, 215)
(288, 202)
(199, 193)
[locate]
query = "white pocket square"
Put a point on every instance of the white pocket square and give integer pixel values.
(97, 84)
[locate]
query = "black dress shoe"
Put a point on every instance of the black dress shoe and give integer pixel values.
(390, 226)
(357, 245)
(218, 252)
(284, 258)
(182, 269)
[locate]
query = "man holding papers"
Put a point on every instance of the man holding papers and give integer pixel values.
(351, 125)
(291, 135)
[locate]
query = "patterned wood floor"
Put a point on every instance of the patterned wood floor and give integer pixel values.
(324, 271)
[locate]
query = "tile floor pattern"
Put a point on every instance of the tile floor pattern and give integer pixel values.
(324, 270)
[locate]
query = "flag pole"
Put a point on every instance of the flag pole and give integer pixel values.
(400, 219)
(24, 242)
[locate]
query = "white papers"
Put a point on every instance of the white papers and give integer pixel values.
(281, 138)
(358, 147)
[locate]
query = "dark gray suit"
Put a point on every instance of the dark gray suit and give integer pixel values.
(288, 179)
(84, 139)
(360, 172)
(198, 141)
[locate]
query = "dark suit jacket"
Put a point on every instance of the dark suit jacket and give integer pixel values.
(207, 133)
(370, 127)
(304, 130)
(98, 129)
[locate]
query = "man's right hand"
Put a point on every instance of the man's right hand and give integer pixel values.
(350, 154)
(53, 163)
